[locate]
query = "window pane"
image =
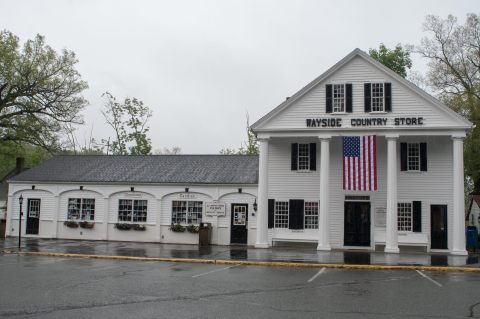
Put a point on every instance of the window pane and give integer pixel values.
(125, 210)
(311, 215)
(377, 97)
(413, 156)
(179, 212)
(88, 209)
(195, 212)
(281, 214)
(140, 211)
(338, 98)
(303, 157)
(74, 205)
(404, 216)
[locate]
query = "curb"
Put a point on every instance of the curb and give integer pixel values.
(251, 262)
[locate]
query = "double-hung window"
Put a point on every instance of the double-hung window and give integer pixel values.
(311, 215)
(281, 214)
(413, 157)
(187, 212)
(132, 210)
(81, 209)
(338, 98)
(303, 157)
(378, 97)
(404, 217)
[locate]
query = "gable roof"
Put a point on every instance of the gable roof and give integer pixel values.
(184, 169)
(357, 52)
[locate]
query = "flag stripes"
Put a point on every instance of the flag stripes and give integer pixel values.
(360, 163)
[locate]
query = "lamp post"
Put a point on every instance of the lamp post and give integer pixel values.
(20, 201)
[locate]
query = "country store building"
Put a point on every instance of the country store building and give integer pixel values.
(359, 158)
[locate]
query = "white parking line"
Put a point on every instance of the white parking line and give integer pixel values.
(425, 276)
(316, 275)
(215, 270)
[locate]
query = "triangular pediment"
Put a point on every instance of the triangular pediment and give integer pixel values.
(408, 102)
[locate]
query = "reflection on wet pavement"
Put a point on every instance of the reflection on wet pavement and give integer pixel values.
(288, 254)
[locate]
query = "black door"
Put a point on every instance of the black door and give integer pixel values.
(357, 224)
(238, 233)
(33, 216)
(438, 227)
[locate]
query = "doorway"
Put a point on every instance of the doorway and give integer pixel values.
(238, 230)
(33, 216)
(357, 224)
(438, 227)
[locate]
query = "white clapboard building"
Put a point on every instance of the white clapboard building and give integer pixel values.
(359, 158)
(376, 158)
(137, 198)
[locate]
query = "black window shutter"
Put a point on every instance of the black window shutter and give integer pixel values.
(403, 156)
(388, 97)
(295, 214)
(313, 156)
(348, 102)
(328, 100)
(271, 213)
(367, 93)
(294, 156)
(423, 157)
(417, 217)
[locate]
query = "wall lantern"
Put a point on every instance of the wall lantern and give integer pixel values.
(132, 189)
(255, 205)
(20, 201)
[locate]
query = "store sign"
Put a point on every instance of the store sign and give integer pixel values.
(187, 196)
(371, 121)
(215, 209)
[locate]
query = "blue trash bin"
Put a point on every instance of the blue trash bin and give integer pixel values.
(472, 237)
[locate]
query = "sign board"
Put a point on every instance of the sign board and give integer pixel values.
(215, 209)
(380, 217)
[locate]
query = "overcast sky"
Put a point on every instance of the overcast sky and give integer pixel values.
(201, 65)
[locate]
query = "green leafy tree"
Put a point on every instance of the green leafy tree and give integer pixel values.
(129, 121)
(40, 91)
(453, 54)
(397, 59)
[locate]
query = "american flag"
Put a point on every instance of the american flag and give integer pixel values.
(360, 163)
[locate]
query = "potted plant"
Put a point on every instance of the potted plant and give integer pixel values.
(123, 226)
(71, 223)
(139, 227)
(193, 229)
(86, 224)
(177, 228)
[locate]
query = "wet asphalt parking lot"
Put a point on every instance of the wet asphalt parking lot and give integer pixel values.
(48, 287)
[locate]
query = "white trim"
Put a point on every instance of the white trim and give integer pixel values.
(257, 126)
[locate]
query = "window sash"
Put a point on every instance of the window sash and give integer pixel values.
(338, 98)
(81, 209)
(377, 97)
(303, 157)
(413, 157)
(187, 212)
(405, 217)
(130, 210)
(311, 215)
(281, 214)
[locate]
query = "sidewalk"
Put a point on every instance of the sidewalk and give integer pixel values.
(305, 255)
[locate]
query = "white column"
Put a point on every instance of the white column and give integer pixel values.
(262, 214)
(106, 217)
(391, 238)
(56, 211)
(458, 223)
(323, 225)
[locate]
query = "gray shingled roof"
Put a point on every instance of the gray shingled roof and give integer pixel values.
(185, 169)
